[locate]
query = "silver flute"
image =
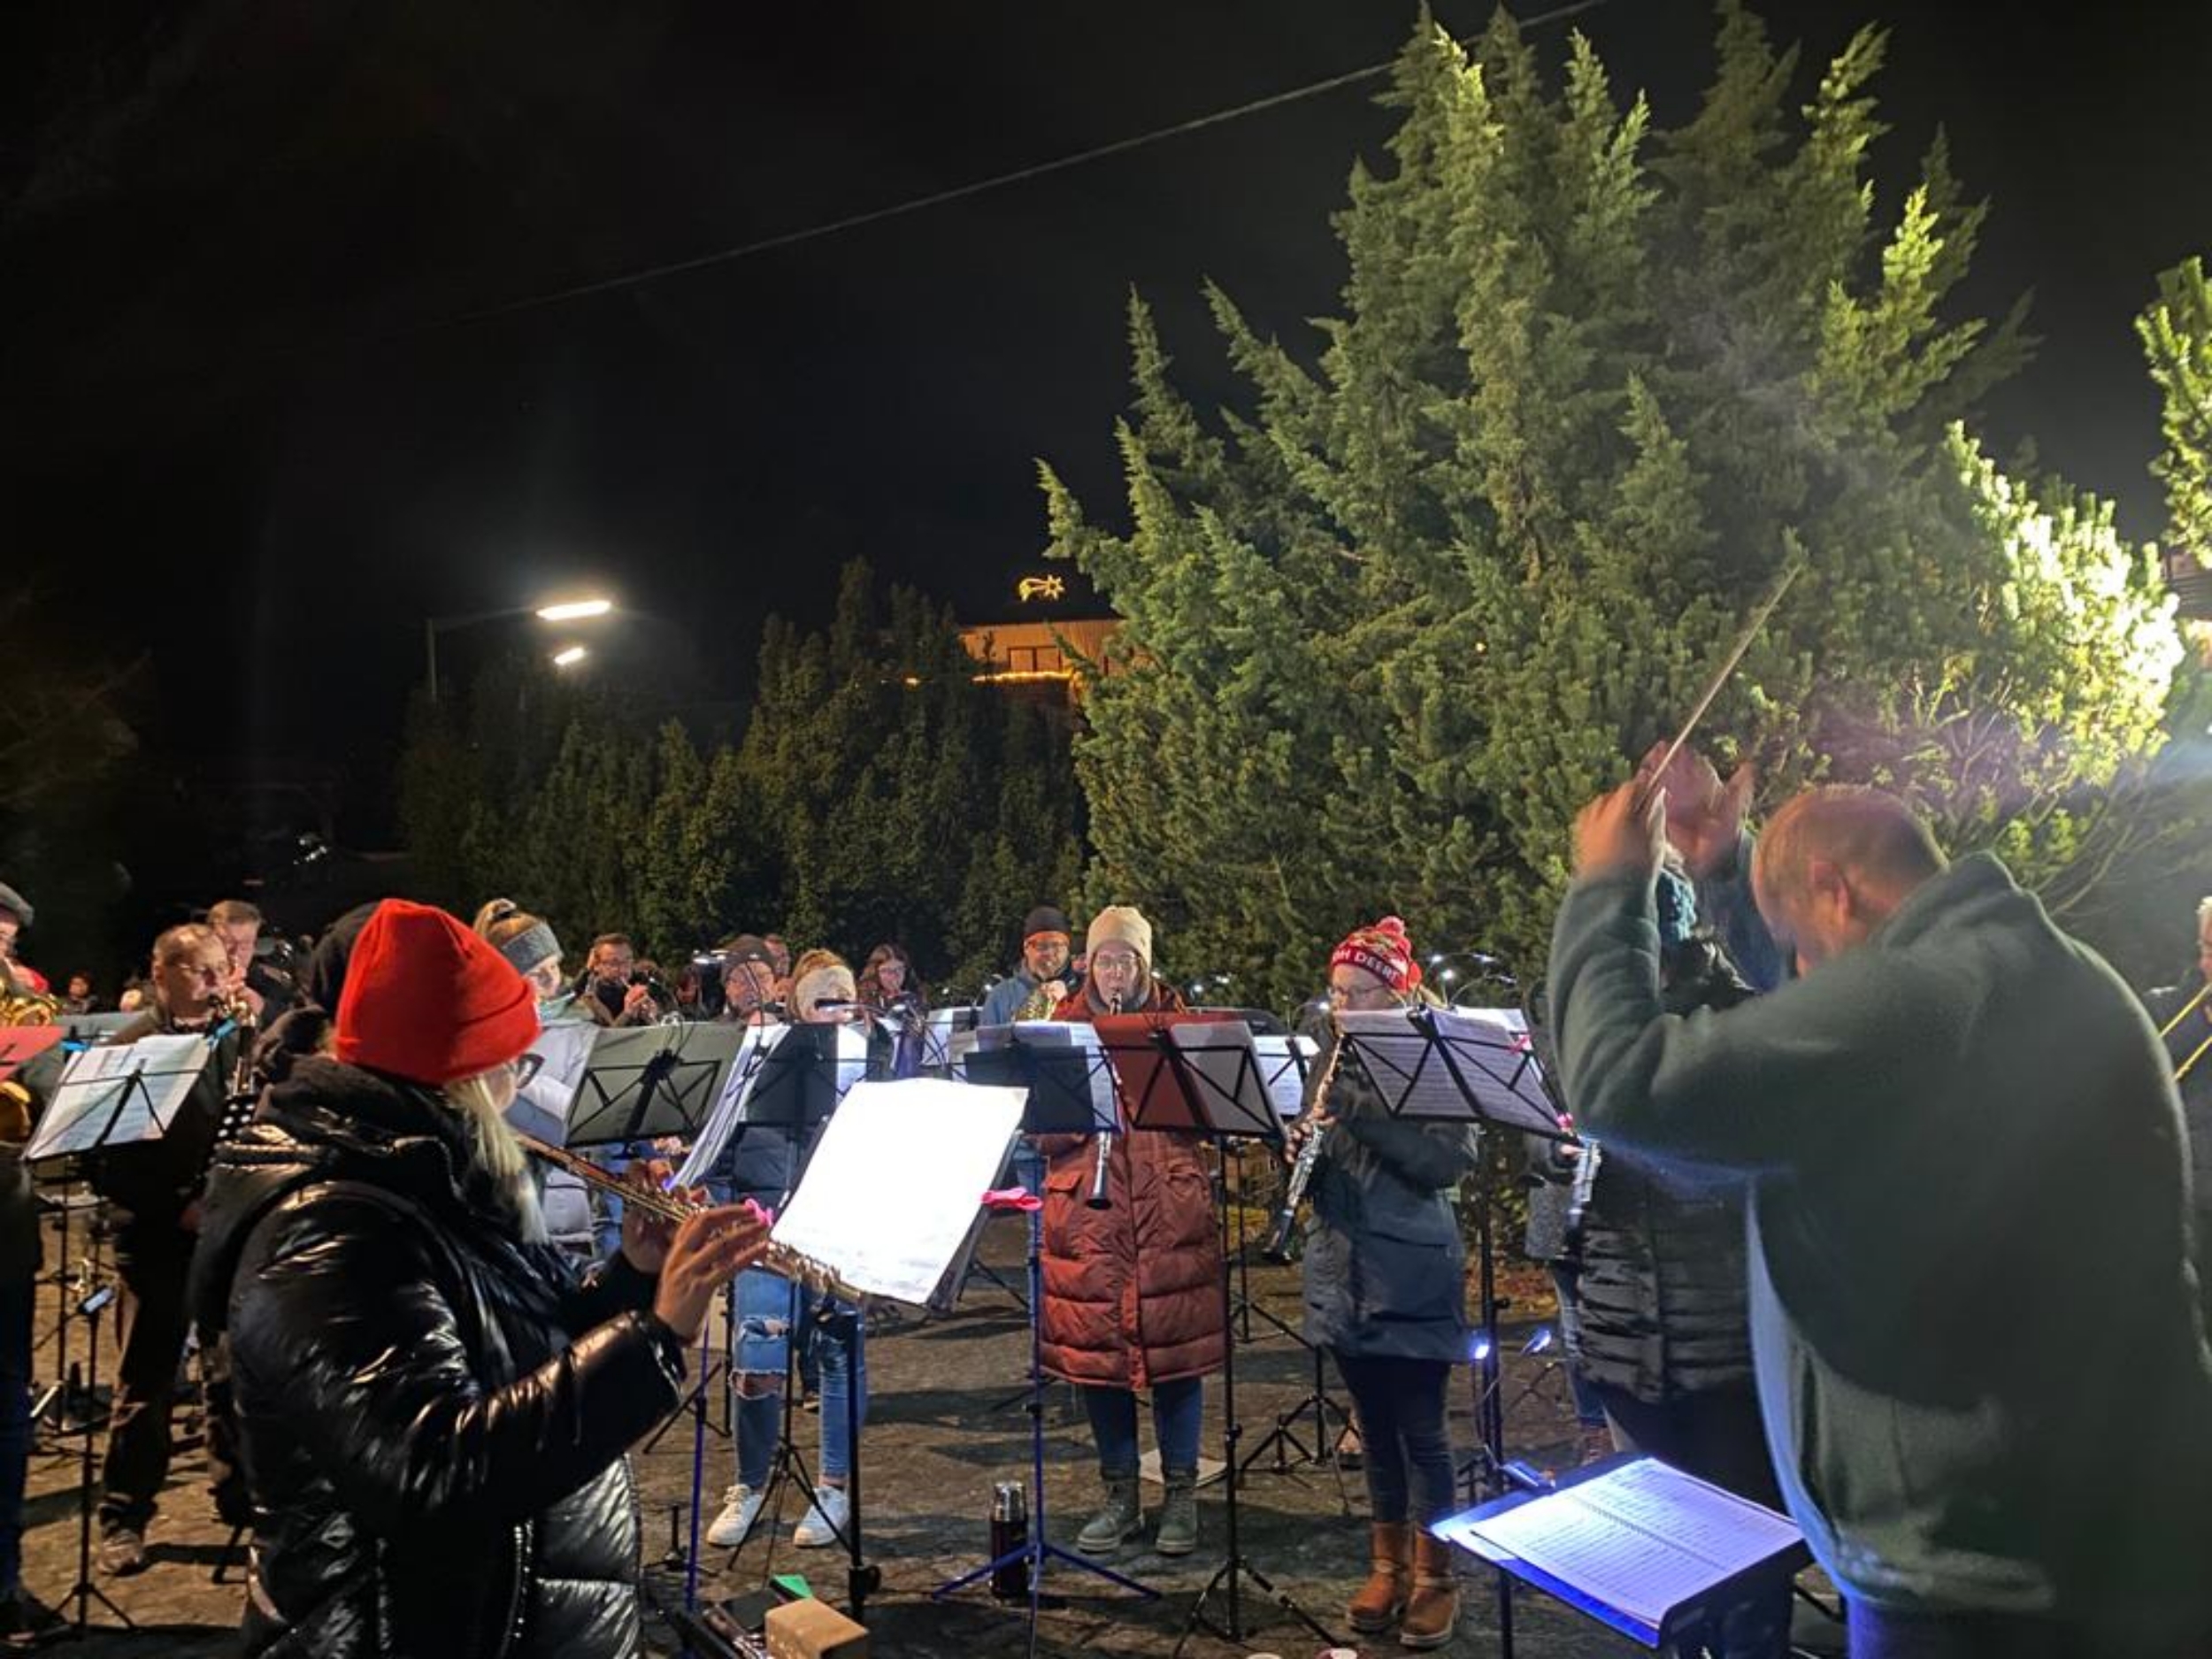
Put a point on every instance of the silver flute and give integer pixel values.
(1301, 1168)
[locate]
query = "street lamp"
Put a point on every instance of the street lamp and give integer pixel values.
(568, 656)
(559, 611)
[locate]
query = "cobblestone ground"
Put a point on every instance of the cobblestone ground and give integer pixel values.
(947, 1421)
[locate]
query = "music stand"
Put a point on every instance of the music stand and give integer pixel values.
(1057, 1078)
(1473, 1066)
(801, 1073)
(645, 1082)
(1652, 1553)
(112, 1096)
(1199, 1073)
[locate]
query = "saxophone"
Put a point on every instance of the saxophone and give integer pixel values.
(1308, 1159)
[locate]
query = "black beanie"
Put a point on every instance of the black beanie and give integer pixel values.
(1045, 919)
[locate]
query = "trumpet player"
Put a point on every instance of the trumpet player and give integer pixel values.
(1385, 1277)
(1133, 1266)
(155, 1187)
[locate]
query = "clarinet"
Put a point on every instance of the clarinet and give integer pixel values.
(1308, 1159)
(1098, 1199)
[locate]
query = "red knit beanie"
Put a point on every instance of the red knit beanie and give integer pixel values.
(1383, 950)
(429, 1001)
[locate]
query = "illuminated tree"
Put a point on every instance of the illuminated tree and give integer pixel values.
(1397, 612)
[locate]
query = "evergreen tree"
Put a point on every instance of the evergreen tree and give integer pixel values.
(1395, 615)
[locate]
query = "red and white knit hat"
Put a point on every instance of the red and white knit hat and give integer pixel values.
(1383, 950)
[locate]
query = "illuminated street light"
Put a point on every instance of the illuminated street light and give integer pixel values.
(560, 610)
(568, 657)
(574, 609)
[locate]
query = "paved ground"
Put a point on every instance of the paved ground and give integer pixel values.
(947, 1422)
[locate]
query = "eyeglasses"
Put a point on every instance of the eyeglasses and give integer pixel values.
(526, 1067)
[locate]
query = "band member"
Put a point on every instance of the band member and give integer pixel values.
(529, 945)
(264, 992)
(612, 990)
(1132, 1290)
(766, 1167)
(155, 1187)
(1033, 990)
(434, 1406)
(1949, 1381)
(1385, 1293)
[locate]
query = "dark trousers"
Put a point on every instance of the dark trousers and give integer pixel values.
(1408, 1450)
(1716, 1435)
(152, 1260)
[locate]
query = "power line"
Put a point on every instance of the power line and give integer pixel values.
(957, 193)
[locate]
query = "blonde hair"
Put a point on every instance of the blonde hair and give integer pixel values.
(497, 1151)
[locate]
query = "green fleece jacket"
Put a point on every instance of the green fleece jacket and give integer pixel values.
(1975, 1322)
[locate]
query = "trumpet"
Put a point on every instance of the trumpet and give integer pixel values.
(779, 1259)
(2185, 1009)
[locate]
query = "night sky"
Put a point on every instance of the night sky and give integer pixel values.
(242, 430)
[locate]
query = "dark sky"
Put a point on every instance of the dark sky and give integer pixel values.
(232, 433)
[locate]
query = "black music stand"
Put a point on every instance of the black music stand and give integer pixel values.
(1060, 1103)
(1199, 1074)
(118, 1098)
(1474, 1067)
(645, 1082)
(797, 1085)
(1285, 1076)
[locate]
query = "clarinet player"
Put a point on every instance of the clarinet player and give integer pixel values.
(1385, 1293)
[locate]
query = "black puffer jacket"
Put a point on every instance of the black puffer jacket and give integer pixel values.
(1665, 1291)
(433, 1413)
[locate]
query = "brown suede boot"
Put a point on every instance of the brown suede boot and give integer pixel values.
(1433, 1606)
(1383, 1597)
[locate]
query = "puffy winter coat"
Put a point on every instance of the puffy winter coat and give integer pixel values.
(1664, 1281)
(1132, 1291)
(1385, 1271)
(433, 1413)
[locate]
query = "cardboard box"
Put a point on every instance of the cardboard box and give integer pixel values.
(814, 1630)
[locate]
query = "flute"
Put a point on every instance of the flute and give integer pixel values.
(779, 1259)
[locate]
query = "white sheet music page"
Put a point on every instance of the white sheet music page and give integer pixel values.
(896, 1179)
(1283, 1062)
(1491, 1050)
(1071, 1034)
(729, 1111)
(1644, 1538)
(97, 1081)
(1404, 1064)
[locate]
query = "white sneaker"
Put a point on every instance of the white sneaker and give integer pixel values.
(740, 1507)
(825, 1522)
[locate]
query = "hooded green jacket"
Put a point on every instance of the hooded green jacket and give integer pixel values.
(1975, 1321)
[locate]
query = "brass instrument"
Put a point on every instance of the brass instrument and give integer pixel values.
(1309, 1158)
(1098, 1199)
(779, 1259)
(2185, 1009)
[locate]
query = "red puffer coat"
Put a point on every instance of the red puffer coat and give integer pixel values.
(1132, 1291)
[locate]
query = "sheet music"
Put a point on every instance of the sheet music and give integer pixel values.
(1230, 1090)
(1491, 1050)
(896, 1181)
(721, 1123)
(567, 1050)
(1644, 1539)
(1076, 1034)
(1283, 1062)
(96, 1081)
(1405, 1064)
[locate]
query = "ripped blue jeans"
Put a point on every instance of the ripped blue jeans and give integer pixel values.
(767, 1309)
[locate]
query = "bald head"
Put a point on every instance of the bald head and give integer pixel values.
(1833, 864)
